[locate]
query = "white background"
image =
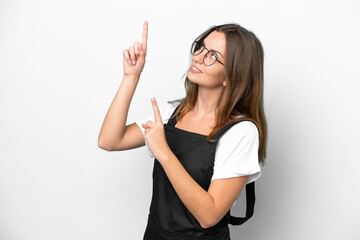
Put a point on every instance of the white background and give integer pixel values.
(61, 65)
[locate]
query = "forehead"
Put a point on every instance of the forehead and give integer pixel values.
(216, 41)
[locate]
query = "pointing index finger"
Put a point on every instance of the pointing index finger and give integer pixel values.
(144, 35)
(156, 110)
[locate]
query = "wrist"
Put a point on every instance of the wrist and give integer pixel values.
(166, 157)
(130, 81)
(132, 78)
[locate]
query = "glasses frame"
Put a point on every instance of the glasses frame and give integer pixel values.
(202, 45)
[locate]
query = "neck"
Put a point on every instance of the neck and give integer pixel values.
(207, 101)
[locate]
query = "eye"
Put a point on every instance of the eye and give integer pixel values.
(213, 55)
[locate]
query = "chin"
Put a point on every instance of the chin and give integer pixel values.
(192, 78)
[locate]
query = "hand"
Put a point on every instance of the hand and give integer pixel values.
(155, 135)
(134, 57)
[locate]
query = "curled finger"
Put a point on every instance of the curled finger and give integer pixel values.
(150, 124)
(132, 55)
(127, 56)
(136, 48)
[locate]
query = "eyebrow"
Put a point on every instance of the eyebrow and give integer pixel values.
(214, 50)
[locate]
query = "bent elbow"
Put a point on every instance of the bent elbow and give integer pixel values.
(205, 226)
(104, 146)
(208, 224)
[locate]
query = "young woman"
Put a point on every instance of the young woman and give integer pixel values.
(208, 145)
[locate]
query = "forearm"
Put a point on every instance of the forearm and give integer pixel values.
(114, 124)
(198, 201)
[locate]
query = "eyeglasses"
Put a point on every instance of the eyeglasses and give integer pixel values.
(209, 58)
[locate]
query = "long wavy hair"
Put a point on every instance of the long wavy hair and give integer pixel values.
(243, 94)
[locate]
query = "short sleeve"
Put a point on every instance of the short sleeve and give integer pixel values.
(237, 153)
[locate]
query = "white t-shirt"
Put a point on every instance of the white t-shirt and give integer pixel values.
(236, 150)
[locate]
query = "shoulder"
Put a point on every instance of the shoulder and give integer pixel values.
(239, 137)
(242, 129)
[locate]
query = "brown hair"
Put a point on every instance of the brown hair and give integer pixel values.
(243, 94)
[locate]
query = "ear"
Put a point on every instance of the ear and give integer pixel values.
(224, 83)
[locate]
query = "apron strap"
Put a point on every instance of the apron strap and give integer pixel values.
(173, 121)
(250, 204)
(219, 133)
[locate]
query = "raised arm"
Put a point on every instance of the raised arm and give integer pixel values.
(114, 135)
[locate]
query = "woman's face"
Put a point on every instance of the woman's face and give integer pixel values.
(210, 76)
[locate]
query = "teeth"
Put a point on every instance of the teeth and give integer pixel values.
(196, 69)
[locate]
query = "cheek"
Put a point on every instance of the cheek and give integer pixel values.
(216, 73)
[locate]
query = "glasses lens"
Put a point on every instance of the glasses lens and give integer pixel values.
(196, 48)
(210, 58)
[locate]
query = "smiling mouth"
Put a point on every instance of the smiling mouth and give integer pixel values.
(195, 69)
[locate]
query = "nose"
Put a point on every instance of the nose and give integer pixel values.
(199, 58)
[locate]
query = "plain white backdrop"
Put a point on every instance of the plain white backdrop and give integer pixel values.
(61, 65)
